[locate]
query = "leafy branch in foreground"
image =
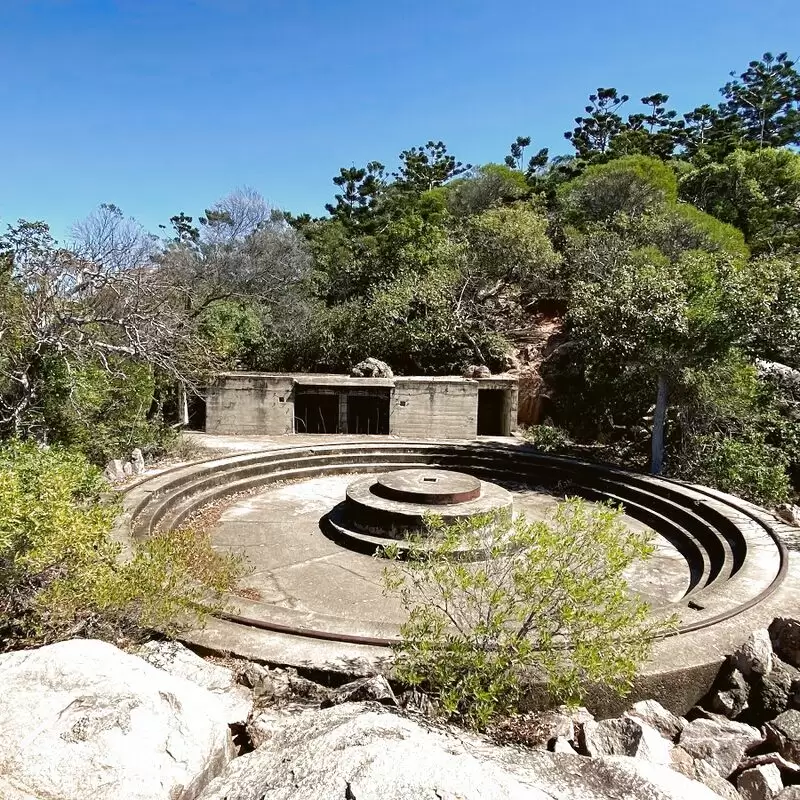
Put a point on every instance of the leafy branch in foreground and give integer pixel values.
(550, 599)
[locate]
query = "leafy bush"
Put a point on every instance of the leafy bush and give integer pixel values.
(102, 412)
(547, 438)
(749, 468)
(550, 597)
(61, 573)
(631, 185)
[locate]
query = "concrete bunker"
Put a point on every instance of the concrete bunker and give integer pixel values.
(442, 407)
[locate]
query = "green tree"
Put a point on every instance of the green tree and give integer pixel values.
(593, 134)
(361, 188)
(487, 186)
(426, 167)
(516, 158)
(765, 100)
(653, 320)
(550, 600)
(509, 251)
(758, 192)
(62, 575)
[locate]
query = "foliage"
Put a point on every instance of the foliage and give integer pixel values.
(550, 598)
(765, 101)
(486, 187)
(758, 192)
(751, 468)
(632, 185)
(103, 413)
(547, 438)
(509, 245)
(61, 573)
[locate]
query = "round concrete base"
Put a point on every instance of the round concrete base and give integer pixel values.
(721, 564)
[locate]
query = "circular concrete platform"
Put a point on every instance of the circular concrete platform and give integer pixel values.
(427, 486)
(719, 565)
(413, 494)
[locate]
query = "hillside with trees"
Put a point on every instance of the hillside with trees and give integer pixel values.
(646, 286)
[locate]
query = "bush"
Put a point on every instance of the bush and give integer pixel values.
(102, 412)
(749, 467)
(551, 597)
(547, 438)
(61, 573)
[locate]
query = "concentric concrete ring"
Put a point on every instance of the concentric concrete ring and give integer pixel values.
(737, 563)
(371, 512)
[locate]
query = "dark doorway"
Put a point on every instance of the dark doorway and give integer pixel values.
(316, 413)
(368, 414)
(491, 412)
(197, 412)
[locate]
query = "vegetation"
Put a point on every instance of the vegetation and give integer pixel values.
(663, 250)
(61, 573)
(551, 600)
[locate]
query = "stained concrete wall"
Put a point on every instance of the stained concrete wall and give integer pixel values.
(246, 404)
(438, 407)
(441, 408)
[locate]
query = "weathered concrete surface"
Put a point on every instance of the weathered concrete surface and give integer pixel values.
(296, 567)
(246, 403)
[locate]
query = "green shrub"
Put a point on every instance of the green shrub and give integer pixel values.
(60, 570)
(749, 468)
(550, 599)
(547, 438)
(103, 413)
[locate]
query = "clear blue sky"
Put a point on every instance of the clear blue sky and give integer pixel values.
(163, 106)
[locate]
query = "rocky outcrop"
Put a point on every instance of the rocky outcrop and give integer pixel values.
(754, 657)
(375, 688)
(81, 719)
(626, 736)
(364, 751)
(476, 371)
(372, 368)
(720, 742)
(177, 660)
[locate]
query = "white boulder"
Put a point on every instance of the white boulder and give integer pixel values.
(82, 720)
(177, 660)
(363, 751)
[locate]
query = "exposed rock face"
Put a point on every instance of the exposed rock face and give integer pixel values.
(720, 742)
(626, 736)
(656, 716)
(730, 693)
(372, 368)
(81, 719)
(783, 733)
(365, 751)
(114, 471)
(181, 662)
(789, 514)
(541, 729)
(375, 688)
(760, 783)
(785, 636)
(477, 371)
(137, 461)
(754, 657)
(772, 694)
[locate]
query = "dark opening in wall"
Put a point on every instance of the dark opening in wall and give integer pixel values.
(316, 413)
(368, 413)
(196, 405)
(491, 412)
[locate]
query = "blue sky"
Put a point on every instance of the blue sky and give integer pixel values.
(163, 106)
